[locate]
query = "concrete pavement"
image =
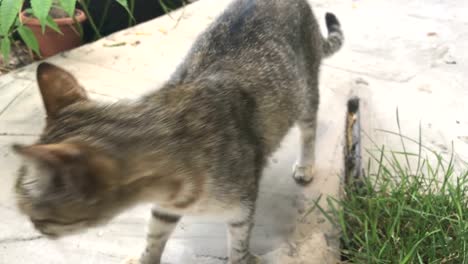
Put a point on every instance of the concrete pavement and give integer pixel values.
(409, 55)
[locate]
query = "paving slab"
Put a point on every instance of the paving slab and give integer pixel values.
(405, 55)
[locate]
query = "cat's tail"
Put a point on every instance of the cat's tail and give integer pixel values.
(335, 38)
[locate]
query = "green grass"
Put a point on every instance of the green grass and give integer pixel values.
(412, 208)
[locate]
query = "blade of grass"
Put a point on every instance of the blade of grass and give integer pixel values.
(408, 257)
(310, 210)
(401, 138)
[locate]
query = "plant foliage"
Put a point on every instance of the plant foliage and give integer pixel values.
(406, 212)
(10, 22)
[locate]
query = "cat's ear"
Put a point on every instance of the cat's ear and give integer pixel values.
(58, 88)
(50, 153)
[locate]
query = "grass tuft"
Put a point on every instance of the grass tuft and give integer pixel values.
(412, 208)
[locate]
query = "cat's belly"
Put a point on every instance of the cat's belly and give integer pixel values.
(207, 208)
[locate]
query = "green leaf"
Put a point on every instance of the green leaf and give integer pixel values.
(6, 49)
(28, 37)
(9, 11)
(41, 10)
(51, 23)
(124, 4)
(68, 6)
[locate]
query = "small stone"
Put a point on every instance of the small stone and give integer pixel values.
(425, 88)
(361, 81)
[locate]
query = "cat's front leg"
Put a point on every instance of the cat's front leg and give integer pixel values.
(239, 240)
(160, 228)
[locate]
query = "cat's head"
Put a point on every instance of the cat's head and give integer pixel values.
(64, 184)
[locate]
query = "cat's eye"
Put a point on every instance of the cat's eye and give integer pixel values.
(57, 181)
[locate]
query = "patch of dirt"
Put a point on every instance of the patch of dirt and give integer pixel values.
(58, 13)
(55, 13)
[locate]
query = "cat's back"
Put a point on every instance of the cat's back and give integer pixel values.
(253, 22)
(245, 33)
(254, 10)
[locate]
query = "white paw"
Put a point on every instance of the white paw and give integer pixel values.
(132, 260)
(303, 174)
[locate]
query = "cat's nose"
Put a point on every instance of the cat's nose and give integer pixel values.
(38, 225)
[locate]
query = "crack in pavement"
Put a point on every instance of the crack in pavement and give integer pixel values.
(20, 239)
(212, 257)
(14, 99)
(407, 79)
(417, 16)
(19, 134)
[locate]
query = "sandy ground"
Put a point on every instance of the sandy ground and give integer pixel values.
(398, 54)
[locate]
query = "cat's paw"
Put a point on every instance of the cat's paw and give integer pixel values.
(142, 260)
(303, 175)
(132, 260)
(255, 260)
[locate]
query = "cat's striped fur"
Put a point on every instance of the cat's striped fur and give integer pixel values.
(198, 145)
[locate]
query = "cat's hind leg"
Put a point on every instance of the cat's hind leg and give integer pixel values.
(303, 171)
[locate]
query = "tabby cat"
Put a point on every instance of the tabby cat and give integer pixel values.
(197, 146)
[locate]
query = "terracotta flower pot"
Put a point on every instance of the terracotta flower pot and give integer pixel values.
(51, 42)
